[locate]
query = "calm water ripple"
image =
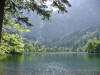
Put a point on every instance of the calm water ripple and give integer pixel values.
(51, 64)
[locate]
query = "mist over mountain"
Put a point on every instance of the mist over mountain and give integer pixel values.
(82, 15)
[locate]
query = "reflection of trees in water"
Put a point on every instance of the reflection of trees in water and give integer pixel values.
(12, 65)
(94, 56)
(15, 58)
(2, 72)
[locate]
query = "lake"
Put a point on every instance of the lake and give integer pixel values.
(51, 64)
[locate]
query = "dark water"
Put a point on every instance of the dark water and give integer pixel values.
(51, 64)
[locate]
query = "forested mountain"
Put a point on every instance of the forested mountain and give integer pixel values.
(83, 15)
(77, 39)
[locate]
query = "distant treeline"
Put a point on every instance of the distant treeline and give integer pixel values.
(37, 47)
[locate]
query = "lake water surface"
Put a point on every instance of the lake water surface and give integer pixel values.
(51, 64)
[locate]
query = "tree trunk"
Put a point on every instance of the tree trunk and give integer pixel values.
(2, 5)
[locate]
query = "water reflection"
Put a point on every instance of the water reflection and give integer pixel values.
(94, 56)
(51, 64)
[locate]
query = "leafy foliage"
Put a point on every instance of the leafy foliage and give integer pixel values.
(9, 26)
(93, 46)
(16, 8)
(11, 44)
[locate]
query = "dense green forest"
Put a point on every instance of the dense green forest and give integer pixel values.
(11, 44)
(92, 46)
